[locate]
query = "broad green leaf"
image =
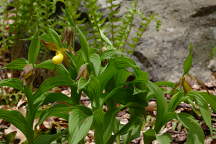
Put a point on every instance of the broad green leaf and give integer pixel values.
(114, 92)
(203, 106)
(110, 122)
(82, 83)
(61, 70)
(149, 136)
(124, 130)
(34, 49)
(46, 65)
(132, 134)
(55, 37)
(80, 121)
(161, 105)
(211, 99)
(17, 64)
(56, 97)
(17, 119)
(99, 125)
(53, 82)
(164, 139)
(188, 61)
(13, 82)
(120, 77)
(59, 110)
(106, 39)
(175, 101)
(138, 91)
(165, 83)
(195, 132)
(124, 62)
(141, 76)
(107, 75)
(45, 138)
(108, 54)
(96, 62)
(94, 90)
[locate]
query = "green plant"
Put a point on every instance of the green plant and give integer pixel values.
(118, 30)
(111, 80)
(21, 19)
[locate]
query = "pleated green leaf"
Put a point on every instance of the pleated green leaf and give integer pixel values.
(53, 82)
(195, 132)
(17, 64)
(13, 82)
(34, 49)
(17, 119)
(80, 121)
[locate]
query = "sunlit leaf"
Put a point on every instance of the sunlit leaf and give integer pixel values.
(106, 39)
(175, 101)
(203, 106)
(46, 65)
(188, 61)
(80, 121)
(53, 82)
(164, 139)
(161, 105)
(195, 132)
(59, 110)
(96, 62)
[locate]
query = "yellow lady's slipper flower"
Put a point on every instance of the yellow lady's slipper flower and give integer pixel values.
(58, 58)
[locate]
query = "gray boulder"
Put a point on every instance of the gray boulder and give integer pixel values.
(183, 22)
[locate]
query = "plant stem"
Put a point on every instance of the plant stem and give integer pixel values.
(118, 139)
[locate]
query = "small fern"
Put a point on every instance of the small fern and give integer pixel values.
(29, 16)
(96, 21)
(118, 28)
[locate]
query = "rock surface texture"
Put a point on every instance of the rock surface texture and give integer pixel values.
(182, 22)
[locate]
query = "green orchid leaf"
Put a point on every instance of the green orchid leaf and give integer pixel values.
(149, 136)
(195, 132)
(53, 82)
(80, 121)
(164, 139)
(18, 120)
(96, 62)
(188, 61)
(161, 105)
(13, 82)
(59, 110)
(203, 106)
(34, 49)
(17, 64)
(56, 97)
